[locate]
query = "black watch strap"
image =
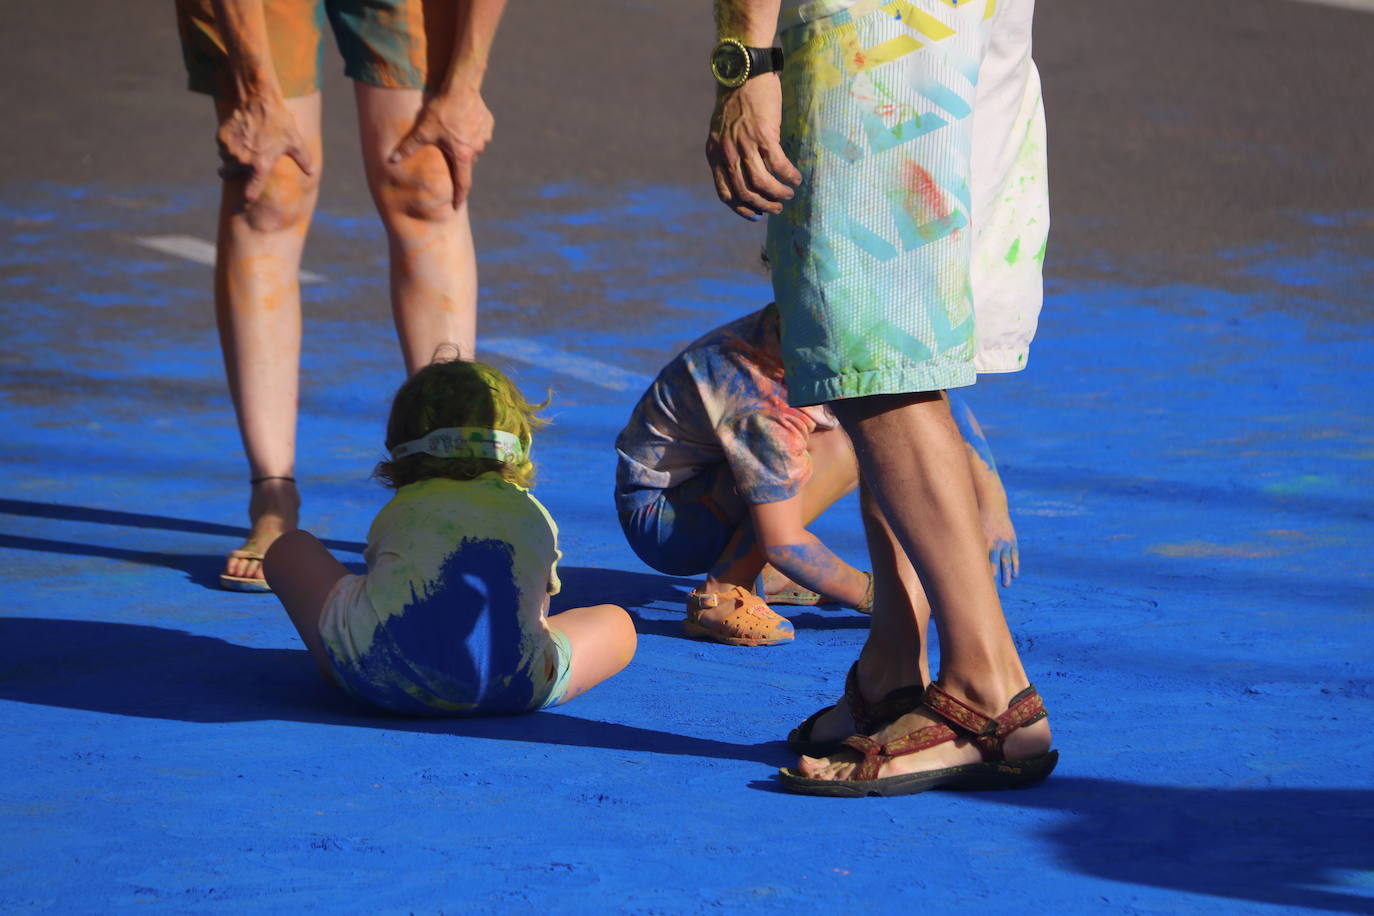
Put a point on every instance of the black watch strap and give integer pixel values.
(764, 60)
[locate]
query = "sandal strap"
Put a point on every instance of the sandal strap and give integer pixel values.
(869, 717)
(876, 754)
(988, 732)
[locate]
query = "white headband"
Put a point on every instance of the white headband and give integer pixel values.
(465, 442)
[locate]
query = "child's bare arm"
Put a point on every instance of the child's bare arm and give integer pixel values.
(998, 531)
(803, 557)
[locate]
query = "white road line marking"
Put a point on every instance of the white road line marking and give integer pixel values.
(1363, 6)
(198, 250)
(579, 367)
(582, 368)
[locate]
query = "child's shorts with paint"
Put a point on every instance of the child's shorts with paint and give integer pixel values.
(404, 666)
(919, 132)
(681, 531)
(394, 44)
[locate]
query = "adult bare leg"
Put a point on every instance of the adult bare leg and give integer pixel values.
(258, 310)
(911, 455)
(433, 265)
(901, 615)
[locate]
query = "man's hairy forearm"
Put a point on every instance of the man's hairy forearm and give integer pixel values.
(243, 26)
(751, 21)
(476, 28)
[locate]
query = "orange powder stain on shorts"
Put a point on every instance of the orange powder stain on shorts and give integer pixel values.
(924, 199)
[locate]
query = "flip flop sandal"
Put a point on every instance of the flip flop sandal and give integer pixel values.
(793, 595)
(960, 720)
(244, 583)
(751, 623)
(868, 717)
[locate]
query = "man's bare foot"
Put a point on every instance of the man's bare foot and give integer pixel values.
(273, 510)
(1029, 741)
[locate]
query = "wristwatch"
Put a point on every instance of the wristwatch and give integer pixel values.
(733, 62)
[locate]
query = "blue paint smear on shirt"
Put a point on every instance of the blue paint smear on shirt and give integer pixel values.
(460, 642)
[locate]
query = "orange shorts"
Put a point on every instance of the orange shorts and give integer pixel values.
(395, 44)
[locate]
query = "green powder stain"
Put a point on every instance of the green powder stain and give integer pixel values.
(1040, 255)
(1014, 252)
(1304, 483)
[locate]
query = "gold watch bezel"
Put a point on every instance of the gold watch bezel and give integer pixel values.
(748, 63)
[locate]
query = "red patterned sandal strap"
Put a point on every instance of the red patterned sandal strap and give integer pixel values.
(988, 733)
(895, 705)
(1026, 707)
(959, 713)
(875, 754)
(869, 717)
(854, 699)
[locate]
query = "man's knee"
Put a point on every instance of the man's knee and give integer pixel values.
(419, 188)
(286, 201)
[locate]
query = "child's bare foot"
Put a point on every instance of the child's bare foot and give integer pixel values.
(1032, 740)
(273, 510)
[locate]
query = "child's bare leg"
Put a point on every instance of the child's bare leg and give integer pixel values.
(302, 573)
(603, 641)
(901, 615)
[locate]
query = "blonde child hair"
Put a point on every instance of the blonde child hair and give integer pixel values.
(458, 392)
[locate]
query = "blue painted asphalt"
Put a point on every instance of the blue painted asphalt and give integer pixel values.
(1189, 472)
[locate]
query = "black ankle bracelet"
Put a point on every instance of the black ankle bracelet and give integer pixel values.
(257, 480)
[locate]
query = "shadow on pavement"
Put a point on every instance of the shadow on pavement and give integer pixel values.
(1289, 847)
(157, 673)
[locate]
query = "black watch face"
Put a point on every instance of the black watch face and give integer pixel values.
(729, 64)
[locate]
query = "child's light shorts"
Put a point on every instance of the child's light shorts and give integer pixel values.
(374, 662)
(910, 258)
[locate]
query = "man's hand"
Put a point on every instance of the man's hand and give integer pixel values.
(460, 125)
(1003, 553)
(258, 132)
(753, 176)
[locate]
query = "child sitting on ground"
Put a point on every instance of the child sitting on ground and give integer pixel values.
(717, 474)
(452, 615)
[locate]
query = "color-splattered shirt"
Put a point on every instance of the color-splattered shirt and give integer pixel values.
(721, 399)
(458, 573)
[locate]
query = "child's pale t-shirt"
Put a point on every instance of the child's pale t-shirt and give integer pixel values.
(722, 399)
(450, 617)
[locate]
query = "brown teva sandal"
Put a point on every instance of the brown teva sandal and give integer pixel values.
(960, 721)
(868, 717)
(751, 623)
